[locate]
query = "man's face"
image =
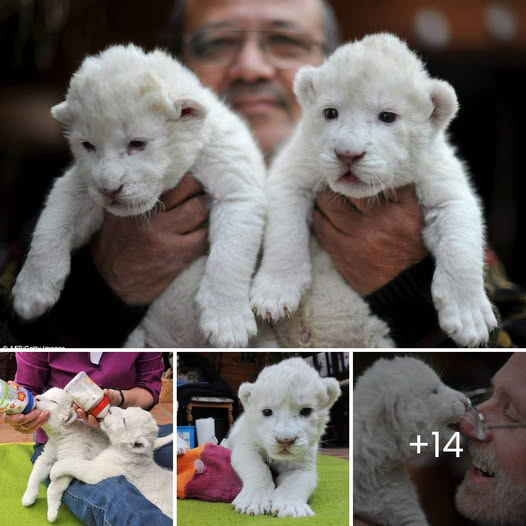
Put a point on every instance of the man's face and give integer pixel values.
(253, 84)
(498, 499)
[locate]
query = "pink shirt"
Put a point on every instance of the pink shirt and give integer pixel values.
(38, 371)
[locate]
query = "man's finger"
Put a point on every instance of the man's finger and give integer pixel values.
(326, 233)
(187, 188)
(186, 217)
(403, 194)
(195, 243)
(341, 212)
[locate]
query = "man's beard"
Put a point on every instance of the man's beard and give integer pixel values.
(502, 504)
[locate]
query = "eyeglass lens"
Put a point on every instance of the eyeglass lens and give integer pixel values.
(477, 397)
(222, 46)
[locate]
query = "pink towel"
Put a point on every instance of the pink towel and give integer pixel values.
(217, 481)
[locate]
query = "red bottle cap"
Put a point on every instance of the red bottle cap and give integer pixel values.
(100, 406)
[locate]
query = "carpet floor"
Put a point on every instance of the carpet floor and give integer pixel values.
(15, 467)
(330, 503)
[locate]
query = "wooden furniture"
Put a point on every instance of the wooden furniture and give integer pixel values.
(210, 402)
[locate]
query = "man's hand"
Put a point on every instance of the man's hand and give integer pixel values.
(370, 240)
(139, 258)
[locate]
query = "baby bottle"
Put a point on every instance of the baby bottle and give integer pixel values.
(15, 399)
(88, 395)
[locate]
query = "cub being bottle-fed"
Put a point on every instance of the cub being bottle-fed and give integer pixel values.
(88, 395)
(15, 399)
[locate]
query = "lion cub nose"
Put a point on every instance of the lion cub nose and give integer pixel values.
(285, 441)
(348, 157)
(111, 193)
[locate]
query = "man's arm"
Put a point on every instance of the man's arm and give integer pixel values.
(129, 263)
(376, 245)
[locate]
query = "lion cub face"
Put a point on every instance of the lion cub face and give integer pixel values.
(369, 111)
(287, 408)
(133, 428)
(131, 134)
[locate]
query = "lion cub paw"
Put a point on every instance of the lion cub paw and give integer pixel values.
(253, 502)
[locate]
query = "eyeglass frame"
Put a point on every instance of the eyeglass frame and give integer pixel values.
(481, 427)
(187, 41)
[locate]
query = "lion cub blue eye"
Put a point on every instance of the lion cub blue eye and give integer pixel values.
(387, 116)
(306, 411)
(330, 113)
(267, 412)
(88, 146)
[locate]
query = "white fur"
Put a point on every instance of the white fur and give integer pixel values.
(124, 95)
(133, 434)
(285, 389)
(393, 402)
(68, 438)
(361, 80)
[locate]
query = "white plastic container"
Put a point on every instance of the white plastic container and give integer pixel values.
(88, 395)
(15, 399)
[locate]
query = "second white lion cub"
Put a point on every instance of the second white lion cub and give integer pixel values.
(373, 121)
(137, 123)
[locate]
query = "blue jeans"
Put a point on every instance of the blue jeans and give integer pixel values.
(114, 501)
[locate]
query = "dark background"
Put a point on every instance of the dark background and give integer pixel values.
(479, 46)
(437, 479)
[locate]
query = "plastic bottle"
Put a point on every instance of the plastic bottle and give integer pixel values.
(15, 399)
(88, 395)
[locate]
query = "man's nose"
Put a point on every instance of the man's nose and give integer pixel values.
(251, 64)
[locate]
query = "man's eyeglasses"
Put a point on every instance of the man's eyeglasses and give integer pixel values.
(221, 47)
(477, 397)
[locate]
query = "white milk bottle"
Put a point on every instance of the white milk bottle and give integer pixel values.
(88, 395)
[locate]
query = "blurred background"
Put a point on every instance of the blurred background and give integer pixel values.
(477, 45)
(437, 479)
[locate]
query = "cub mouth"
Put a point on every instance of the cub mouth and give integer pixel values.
(350, 177)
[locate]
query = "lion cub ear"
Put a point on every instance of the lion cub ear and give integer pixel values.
(189, 108)
(61, 113)
(445, 103)
(304, 84)
(244, 393)
(333, 390)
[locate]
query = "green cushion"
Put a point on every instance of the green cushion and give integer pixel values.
(330, 503)
(15, 467)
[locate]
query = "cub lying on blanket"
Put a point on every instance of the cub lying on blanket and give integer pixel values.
(69, 438)
(373, 121)
(137, 123)
(132, 433)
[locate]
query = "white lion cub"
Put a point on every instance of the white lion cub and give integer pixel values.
(374, 120)
(396, 401)
(68, 438)
(137, 123)
(286, 411)
(132, 433)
